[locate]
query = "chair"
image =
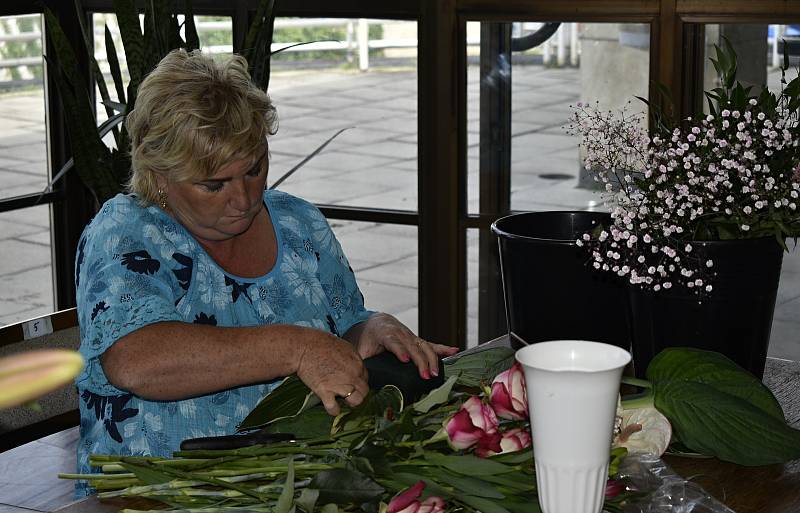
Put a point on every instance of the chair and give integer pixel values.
(59, 409)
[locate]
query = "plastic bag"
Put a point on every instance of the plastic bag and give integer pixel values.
(667, 492)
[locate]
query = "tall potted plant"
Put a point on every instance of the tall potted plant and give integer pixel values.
(699, 225)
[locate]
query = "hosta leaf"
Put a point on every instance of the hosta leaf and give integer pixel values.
(715, 370)
(343, 486)
(716, 423)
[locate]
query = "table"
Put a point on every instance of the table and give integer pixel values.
(29, 483)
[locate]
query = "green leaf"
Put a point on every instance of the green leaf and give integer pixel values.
(515, 458)
(330, 508)
(146, 474)
(713, 369)
(343, 486)
(285, 500)
(307, 500)
(440, 395)
(113, 64)
(470, 485)
(288, 399)
(406, 479)
(132, 41)
(309, 423)
(192, 40)
(467, 464)
(479, 367)
(719, 424)
(482, 505)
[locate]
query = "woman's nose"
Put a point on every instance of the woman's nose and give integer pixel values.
(239, 198)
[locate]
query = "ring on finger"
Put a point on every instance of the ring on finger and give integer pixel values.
(348, 394)
(419, 343)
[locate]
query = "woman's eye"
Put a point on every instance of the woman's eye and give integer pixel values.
(212, 186)
(255, 171)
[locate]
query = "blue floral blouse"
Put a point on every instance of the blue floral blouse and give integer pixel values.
(137, 266)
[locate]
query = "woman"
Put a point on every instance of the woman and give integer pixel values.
(199, 290)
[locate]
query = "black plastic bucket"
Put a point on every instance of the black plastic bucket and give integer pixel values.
(735, 319)
(551, 290)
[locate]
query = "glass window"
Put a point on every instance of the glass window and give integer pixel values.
(26, 266)
(760, 50)
(384, 259)
(23, 147)
(334, 84)
(606, 63)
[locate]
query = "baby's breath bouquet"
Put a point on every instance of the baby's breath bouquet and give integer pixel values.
(731, 174)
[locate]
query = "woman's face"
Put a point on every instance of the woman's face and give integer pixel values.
(222, 206)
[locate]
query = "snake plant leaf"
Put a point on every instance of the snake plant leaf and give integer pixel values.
(132, 42)
(113, 64)
(192, 39)
(310, 156)
(92, 157)
(258, 43)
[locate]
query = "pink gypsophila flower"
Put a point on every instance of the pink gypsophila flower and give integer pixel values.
(407, 501)
(474, 421)
(509, 398)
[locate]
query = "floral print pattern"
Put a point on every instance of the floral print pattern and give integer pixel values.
(137, 266)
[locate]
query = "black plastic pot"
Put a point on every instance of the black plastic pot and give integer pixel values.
(551, 291)
(735, 320)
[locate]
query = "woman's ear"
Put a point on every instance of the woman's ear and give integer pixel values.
(162, 182)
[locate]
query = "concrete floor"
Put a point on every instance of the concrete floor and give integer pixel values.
(373, 164)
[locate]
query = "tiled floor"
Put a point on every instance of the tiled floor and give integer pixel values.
(372, 164)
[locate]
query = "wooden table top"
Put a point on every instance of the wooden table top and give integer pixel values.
(29, 482)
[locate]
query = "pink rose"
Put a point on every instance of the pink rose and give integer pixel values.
(512, 440)
(471, 423)
(407, 501)
(614, 487)
(509, 398)
(515, 440)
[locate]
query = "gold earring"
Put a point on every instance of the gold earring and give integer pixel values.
(162, 199)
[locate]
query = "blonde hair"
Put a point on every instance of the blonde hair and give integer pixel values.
(194, 115)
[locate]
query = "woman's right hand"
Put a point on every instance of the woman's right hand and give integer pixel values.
(331, 368)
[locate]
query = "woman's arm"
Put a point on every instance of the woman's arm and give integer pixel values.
(175, 360)
(383, 332)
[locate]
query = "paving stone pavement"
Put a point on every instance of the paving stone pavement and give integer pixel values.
(372, 164)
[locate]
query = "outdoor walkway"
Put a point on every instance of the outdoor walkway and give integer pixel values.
(373, 164)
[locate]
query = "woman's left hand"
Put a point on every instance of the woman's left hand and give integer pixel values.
(383, 332)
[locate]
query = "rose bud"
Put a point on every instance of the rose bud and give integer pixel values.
(509, 398)
(472, 422)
